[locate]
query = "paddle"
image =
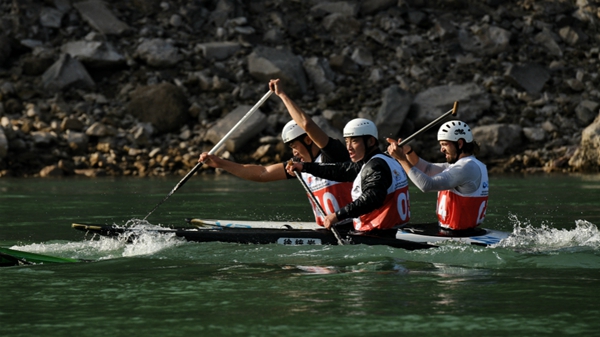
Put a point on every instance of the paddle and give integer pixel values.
(213, 150)
(321, 210)
(452, 111)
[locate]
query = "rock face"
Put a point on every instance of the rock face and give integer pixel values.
(136, 87)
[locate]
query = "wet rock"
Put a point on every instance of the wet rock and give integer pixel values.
(494, 140)
(530, 77)
(100, 17)
(163, 105)
(94, 53)
(266, 63)
(66, 72)
(250, 128)
(158, 53)
(392, 113)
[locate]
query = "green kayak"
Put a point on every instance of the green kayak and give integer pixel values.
(11, 257)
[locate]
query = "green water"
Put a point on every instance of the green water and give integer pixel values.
(541, 282)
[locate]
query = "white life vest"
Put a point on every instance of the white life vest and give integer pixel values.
(396, 207)
(458, 211)
(331, 195)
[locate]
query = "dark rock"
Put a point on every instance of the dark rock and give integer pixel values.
(163, 105)
(100, 17)
(250, 128)
(66, 72)
(392, 113)
(267, 63)
(531, 77)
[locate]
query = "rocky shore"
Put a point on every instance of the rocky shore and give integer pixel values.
(142, 87)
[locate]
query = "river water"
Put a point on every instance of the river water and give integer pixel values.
(543, 281)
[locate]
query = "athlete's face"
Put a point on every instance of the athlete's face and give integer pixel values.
(356, 148)
(300, 151)
(449, 149)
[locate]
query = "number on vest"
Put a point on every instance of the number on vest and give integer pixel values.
(481, 214)
(329, 203)
(442, 210)
(402, 205)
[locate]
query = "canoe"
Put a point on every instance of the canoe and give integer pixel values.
(411, 237)
(11, 257)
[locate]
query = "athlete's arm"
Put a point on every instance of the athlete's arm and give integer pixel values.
(302, 119)
(464, 176)
(246, 171)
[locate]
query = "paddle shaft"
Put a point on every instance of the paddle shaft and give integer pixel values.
(321, 210)
(452, 111)
(213, 150)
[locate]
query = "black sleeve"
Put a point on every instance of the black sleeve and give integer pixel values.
(335, 152)
(376, 178)
(333, 171)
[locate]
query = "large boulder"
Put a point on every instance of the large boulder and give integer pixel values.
(434, 102)
(158, 53)
(267, 63)
(393, 111)
(495, 139)
(67, 72)
(530, 77)
(94, 53)
(487, 40)
(164, 105)
(587, 156)
(245, 131)
(100, 17)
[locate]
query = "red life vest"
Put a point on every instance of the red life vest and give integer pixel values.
(396, 207)
(457, 211)
(331, 195)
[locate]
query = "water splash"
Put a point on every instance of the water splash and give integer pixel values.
(143, 241)
(546, 238)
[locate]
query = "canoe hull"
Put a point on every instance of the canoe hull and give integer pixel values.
(220, 232)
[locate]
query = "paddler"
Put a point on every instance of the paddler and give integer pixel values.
(309, 143)
(462, 182)
(380, 197)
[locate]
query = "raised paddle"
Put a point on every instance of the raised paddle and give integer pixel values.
(321, 210)
(434, 122)
(213, 150)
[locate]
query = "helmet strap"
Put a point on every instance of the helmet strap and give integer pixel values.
(308, 148)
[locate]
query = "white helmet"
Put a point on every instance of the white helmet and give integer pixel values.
(360, 127)
(291, 131)
(455, 130)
